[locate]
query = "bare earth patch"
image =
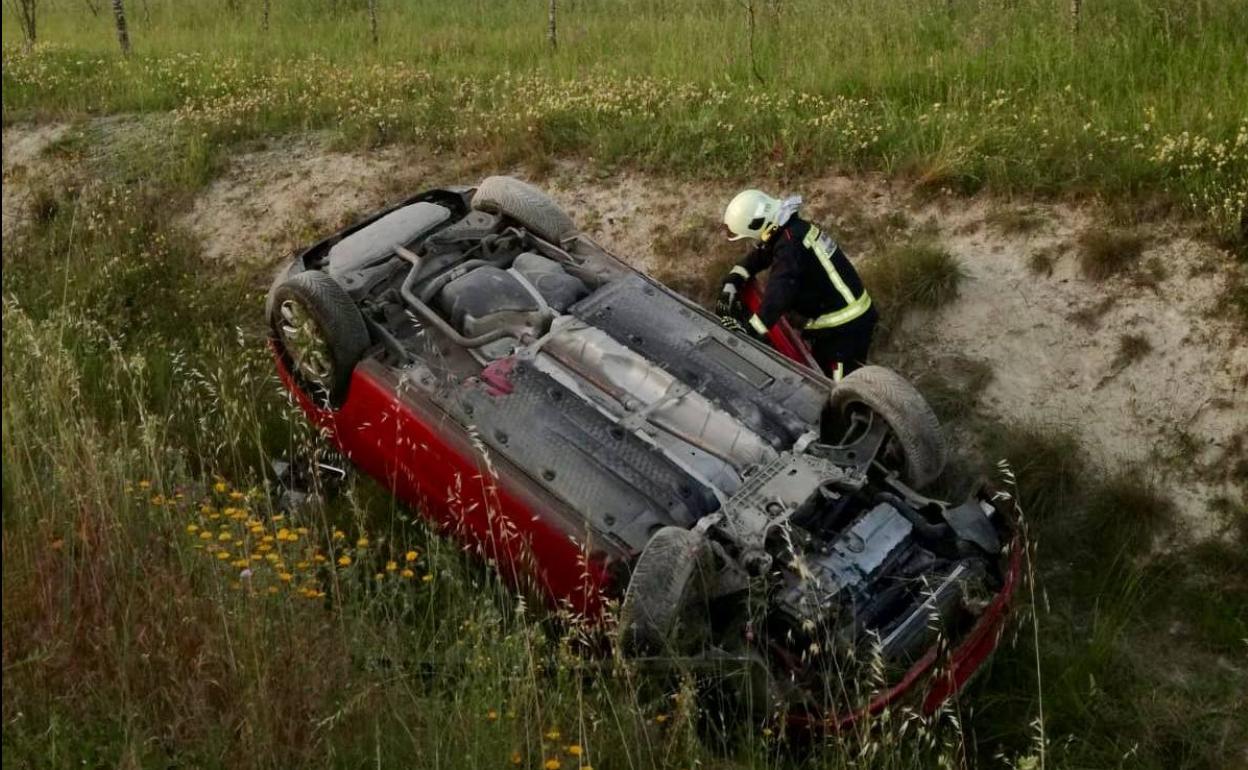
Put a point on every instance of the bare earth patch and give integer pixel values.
(1051, 339)
(24, 163)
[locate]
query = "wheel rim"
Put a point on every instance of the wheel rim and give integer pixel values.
(302, 339)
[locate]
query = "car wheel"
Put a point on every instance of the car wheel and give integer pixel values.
(913, 424)
(663, 610)
(526, 204)
(320, 331)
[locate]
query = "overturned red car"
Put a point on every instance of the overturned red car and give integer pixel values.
(594, 431)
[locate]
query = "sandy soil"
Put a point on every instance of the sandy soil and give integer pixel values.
(25, 161)
(1048, 362)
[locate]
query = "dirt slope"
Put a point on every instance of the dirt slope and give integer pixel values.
(1052, 341)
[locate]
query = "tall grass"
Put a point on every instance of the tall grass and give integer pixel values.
(1145, 98)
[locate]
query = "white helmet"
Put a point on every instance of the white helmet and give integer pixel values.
(751, 214)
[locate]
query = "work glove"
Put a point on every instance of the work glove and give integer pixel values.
(732, 324)
(729, 303)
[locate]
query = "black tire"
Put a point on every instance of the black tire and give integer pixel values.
(909, 417)
(526, 204)
(320, 332)
(664, 609)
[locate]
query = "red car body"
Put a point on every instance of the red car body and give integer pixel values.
(497, 509)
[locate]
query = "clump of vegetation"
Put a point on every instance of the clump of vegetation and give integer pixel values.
(1015, 220)
(1131, 348)
(1104, 252)
(912, 275)
(1042, 261)
(953, 386)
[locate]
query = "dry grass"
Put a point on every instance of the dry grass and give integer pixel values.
(1105, 252)
(915, 275)
(1131, 349)
(1015, 220)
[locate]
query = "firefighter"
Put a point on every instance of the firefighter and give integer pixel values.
(810, 276)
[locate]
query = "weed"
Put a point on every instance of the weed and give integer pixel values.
(953, 386)
(1131, 348)
(1042, 261)
(917, 274)
(1015, 220)
(1106, 252)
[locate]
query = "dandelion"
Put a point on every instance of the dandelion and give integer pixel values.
(205, 535)
(362, 542)
(344, 561)
(407, 573)
(391, 566)
(339, 534)
(223, 555)
(225, 537)
(285, 577)
(575, 750)
(236, 495)
(192, 528)
(552, 764)
(411, 556)
(145, 484)
(219, 487)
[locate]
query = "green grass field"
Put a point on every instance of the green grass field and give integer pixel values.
(1143, 102)
(140, 407)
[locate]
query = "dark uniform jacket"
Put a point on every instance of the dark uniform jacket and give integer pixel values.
(810, 276)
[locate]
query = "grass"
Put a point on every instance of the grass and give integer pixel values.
(1131, 348)
(1105, 252)
(916, 274)
(962, 95)
(139, 401)
(1018, 220)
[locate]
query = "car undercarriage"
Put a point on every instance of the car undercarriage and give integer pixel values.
(738, 505)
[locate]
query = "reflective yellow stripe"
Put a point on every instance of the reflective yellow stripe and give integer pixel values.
(815, 243)
(757, 324)
(838, 372)
(741, 271)
(842, 316)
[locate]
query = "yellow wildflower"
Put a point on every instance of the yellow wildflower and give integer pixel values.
(192, 528)
(285, 577)
(427, 578)
(223, 555)
(225, 537)
(661, 718)
(411, 556)
(205, 535)
(339, 534)
(575, 750)
(491, 715)
(145, 484)
(516, 758)
(362, 542)
(271, 558)
(552, 764)
(236, 495)
(553, 734)
(407, 573)
(218, 487)
(344, 561)
(391, 566)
